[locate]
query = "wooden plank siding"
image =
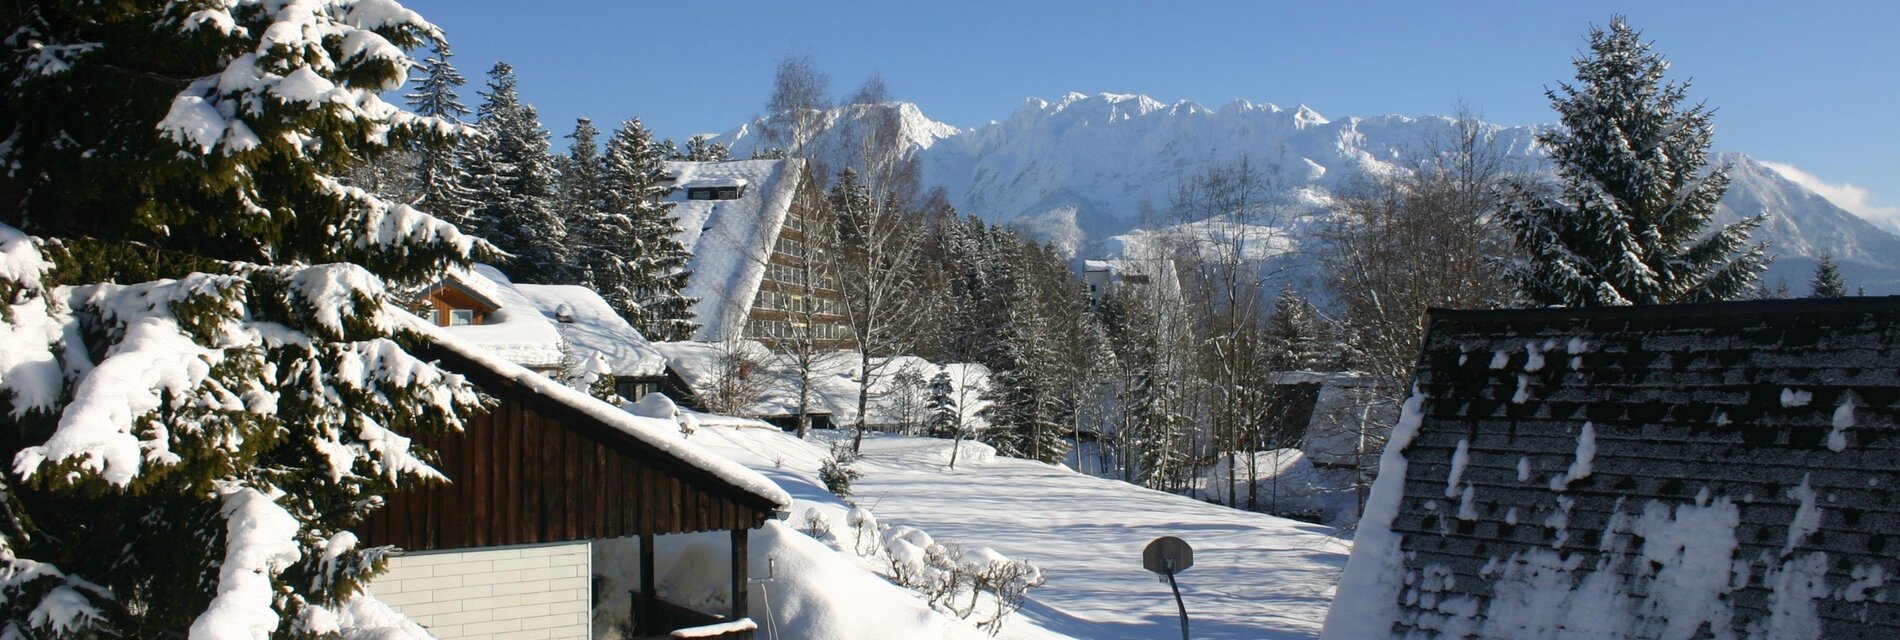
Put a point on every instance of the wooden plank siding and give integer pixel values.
(535, 470)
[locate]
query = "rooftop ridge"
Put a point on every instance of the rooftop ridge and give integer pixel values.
(1745, 307)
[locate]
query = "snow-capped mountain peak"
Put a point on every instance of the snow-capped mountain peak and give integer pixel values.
(1083, 168)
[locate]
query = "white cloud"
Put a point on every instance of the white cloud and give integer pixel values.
(1843, 195)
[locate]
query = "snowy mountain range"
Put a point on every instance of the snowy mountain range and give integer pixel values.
(1081, 170)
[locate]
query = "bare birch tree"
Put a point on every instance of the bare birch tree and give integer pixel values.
(1230, 217)
(879, 238)
(1403, 243)
(796, 113)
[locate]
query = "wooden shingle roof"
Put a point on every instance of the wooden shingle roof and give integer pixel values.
(1731, 467)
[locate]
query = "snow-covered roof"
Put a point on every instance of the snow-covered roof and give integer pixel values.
(481, 295)
(718, 181)
(774, 387)
(516, 330)
(698, 363)
(1334, 378)
(834, 382)
(663, 435)
(731, 240)
(595, 328)
(833, 389)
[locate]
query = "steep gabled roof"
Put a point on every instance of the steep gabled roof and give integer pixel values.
(731, 240)
(1640, 472)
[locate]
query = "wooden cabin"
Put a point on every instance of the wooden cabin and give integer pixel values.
(505, 548)
(453, 303)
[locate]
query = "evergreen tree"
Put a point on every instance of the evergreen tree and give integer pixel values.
(701, 148)
(440, 181)
(1626, 224)
(511, 181)
(1827, 281)
(1778, 291)
(652, 266)
(580, 203)
(945, 417)
(1296, 338)
(582, 186)
(1160, 433)
(204, 377)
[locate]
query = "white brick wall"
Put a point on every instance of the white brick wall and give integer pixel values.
(540, 591)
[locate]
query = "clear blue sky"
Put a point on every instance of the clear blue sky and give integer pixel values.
(1814, 87)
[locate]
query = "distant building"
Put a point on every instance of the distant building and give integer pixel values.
(1717, 470)
(1338, 418)
(1109, 275)
(758, 271)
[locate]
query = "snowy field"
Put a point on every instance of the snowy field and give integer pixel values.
(1254, 576)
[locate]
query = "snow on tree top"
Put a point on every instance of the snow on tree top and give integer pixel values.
(731, 240)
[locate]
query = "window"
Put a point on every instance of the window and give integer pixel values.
(461, 317)
(715, 193)
(634, 391)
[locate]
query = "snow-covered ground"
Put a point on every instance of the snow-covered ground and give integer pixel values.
(1255, 576)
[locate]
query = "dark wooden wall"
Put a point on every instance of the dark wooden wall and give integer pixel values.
(534, 470)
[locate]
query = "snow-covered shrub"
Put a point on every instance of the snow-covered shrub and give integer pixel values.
(864, 538)
(973, 583)
(1008, 583)
(816, 525)
(658, 406)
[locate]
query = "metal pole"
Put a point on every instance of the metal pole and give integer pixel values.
(1178, 603)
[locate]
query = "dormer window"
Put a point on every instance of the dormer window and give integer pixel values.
(461, 317)
(715, 193)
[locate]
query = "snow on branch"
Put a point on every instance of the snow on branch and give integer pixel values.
(260, 543)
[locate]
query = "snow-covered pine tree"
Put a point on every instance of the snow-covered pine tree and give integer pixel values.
(1626, 224)
(701, 148)
(511, 182)
(943, 414)
(1827, 282)
(654, 265)
(1296, 338)
(581, 195)
(203, 375)
(605, 240)
(439, 175)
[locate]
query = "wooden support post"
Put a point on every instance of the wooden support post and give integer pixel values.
(740, 585)
(649, 590)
